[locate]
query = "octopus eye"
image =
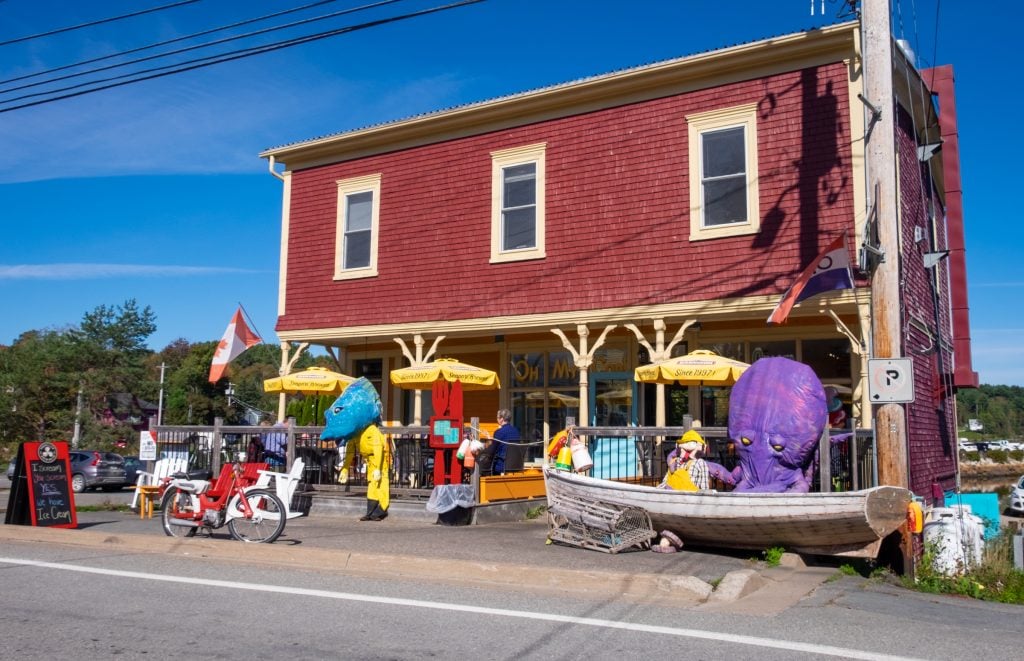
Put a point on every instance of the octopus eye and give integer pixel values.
(337, 410)
(745, 441)
(778, 447)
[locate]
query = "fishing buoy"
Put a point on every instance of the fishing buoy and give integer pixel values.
(581, 460)
(915, 517)
(557, 443)
(564, 460)
(463, 449)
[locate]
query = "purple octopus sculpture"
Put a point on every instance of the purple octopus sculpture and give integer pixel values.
(777, 413)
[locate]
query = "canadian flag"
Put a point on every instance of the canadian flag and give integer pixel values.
(237, 338)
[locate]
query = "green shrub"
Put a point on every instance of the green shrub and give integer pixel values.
(998, 456)
(1017, 455)
(995, 580)
(773, 555)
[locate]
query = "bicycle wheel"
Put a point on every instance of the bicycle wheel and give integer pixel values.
(174, 503)
(268, 517)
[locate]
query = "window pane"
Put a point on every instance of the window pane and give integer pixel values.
(724, 152)
(520, 186)
(527, 370)
(357, 250)
(359, 215)
(786, 349)
(725, 201)
(520, 230)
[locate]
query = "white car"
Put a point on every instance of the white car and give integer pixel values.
(1017, 497)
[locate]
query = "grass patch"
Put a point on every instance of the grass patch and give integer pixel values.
(103, 507)
(996, 579)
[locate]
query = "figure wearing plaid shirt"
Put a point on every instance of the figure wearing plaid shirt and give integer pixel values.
(685, 456)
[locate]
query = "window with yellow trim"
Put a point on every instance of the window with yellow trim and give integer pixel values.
(517, 203)
(355, 254)
(723, 173)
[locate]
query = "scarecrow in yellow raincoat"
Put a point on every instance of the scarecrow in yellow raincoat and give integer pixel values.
(356, 413)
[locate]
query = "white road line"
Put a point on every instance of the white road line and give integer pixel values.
(481, 610)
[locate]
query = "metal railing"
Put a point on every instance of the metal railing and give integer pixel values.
(634, 454)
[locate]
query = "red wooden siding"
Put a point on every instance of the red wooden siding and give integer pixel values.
(931, 433)
(617, 213)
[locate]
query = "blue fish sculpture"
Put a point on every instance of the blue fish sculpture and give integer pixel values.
(356, 408)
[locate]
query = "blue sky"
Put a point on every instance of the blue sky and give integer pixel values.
(154, 191)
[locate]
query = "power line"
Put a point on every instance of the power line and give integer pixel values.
(97, 22)
(202, 33)
(199, 64)
(185, 50)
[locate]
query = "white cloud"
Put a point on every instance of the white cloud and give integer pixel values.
(96, 271)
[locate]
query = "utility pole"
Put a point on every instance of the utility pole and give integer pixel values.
(77, 436)
(880, 152)
(160, 402)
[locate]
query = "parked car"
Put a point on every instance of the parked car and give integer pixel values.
(91, 469)
(132, 466)
(1017, 498)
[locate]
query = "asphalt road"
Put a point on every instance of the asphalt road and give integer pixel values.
(96, 595)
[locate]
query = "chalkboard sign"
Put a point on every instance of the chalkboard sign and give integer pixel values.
(41, 493)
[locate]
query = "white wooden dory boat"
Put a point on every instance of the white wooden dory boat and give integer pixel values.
(850, 523)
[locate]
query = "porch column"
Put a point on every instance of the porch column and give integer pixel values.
(418, 361)
(583, 359)
(658, 353)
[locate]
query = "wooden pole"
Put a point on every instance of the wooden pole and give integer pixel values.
(890, 420)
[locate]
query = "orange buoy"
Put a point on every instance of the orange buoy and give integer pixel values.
(556, 443)
(915, 517)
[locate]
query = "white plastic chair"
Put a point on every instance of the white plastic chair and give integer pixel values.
(284, 484)
(161, 469)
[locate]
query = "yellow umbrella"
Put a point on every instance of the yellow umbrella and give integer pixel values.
(310, 381)
(697, 368)
(447, 369)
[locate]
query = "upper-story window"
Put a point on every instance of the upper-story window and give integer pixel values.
(355, 254)
(723, 173)
(517, 203)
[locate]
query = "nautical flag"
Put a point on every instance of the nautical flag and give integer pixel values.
(830, 271)
(237, 338)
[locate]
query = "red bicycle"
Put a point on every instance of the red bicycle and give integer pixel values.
(252, 514)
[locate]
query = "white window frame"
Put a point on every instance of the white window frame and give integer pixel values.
(698, 124)
(500, 160)
(365, 184)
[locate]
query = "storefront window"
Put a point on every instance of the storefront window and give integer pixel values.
(760, 350)
(830, 359)
(527, 369)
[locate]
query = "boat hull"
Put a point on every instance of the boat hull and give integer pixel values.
(849, 523)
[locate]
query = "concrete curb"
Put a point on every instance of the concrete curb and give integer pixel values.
(677, 590)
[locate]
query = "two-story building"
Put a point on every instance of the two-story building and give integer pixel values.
(555, 234)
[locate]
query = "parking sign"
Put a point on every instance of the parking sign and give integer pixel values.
(891, 380)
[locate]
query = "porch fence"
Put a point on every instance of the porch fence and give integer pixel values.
(634, 454)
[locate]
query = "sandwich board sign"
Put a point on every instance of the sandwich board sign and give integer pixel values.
(41, 493)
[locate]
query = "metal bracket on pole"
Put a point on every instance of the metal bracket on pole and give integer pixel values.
(876, 114)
